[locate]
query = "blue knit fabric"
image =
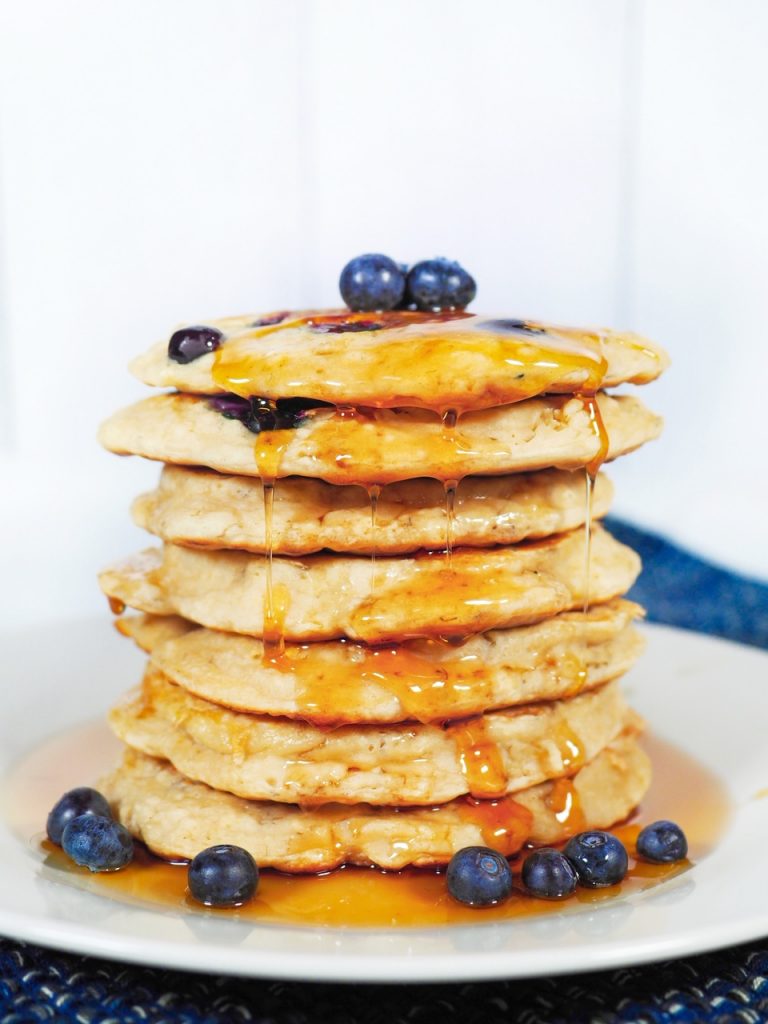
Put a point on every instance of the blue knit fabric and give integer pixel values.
(726, 987)
(682, 590)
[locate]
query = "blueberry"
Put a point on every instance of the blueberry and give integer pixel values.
(259, 414)
(479, 877)
(598, 857)
(223, 876)
(549, 875)
(98, 843)
(285, 414)
(662, 842)
(513, 327)
(271, 319)
(439, 284)
(372, 282)
(233, 407)
(192, 342)
(82, 800)
(293, 410)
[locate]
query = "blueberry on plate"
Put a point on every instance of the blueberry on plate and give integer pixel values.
(598, 858)
(439, 284)
(372, 282)
(192, 342)
(75, 802)
(662, 842)
(549, 875)
(223, 876)
(97, 843)
(479, 877)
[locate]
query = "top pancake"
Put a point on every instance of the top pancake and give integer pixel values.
(452, 360)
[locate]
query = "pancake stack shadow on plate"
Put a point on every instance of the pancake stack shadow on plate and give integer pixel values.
(384, 622)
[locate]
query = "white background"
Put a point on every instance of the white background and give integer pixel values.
(590, 161)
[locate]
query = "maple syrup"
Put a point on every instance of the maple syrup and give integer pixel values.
(449, 420)
(684, 791)
(480, 757)
(476, 592)
(565, 805)
(591, 469)
(374, 493)
(428, 690)
(407, 359)
(268, 452)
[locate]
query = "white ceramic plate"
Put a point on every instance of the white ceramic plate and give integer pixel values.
(708, 697)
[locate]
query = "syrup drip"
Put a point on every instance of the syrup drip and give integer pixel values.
(569, 748)
(591, 470)
(374, 493)
(565, 805)
(268, 452)
(570, 667)
(505, 824)
(449, 487)
(116, 606)
(480, 757)
(449, 420)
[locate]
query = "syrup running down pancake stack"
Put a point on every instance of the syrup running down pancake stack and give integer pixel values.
(384, 622)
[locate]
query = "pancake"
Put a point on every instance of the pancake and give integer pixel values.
(437, 361)
(383, 446)
(177, 818)
(263, 758)
(334, 682)
(205, 509)
(326, 596)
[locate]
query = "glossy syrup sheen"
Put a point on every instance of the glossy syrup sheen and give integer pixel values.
(427, 690)
(683, 790)
(439, 361)
(452, 596)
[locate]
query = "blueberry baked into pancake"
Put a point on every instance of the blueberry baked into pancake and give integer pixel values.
(384, 625)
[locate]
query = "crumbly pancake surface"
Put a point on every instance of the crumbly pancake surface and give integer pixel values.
(439, 361)
(177, 818)
(206, 509)
(265, 758)
(386, 445)
(327, 596)
(340, 681)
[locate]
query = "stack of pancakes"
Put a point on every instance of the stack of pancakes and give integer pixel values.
(382, 625)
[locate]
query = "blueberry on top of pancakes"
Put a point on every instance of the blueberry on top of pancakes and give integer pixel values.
(372, 281)
(439, 284)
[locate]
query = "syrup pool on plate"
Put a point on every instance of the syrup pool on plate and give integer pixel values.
(683, 790)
